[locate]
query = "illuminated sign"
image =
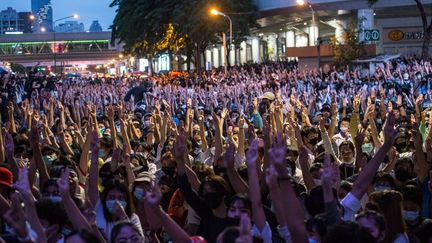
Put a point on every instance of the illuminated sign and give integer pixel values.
(407, 35)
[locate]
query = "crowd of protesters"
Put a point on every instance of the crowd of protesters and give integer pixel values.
(264, 153)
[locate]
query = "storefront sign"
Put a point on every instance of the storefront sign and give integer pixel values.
(408, 35)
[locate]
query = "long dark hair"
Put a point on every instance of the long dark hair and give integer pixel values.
(117, 228)
(121, 186)
(86, 235)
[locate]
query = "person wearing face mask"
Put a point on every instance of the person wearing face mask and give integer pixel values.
(116, 204)
(404, 169)
(412, 204)
(344, 132)
(49, 155)
(347, 157)
(52, 217)
(142, 184)
(310, 138)
(169, 180)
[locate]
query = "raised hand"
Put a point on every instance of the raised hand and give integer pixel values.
(252, 153)
(110, 112)
(245, 230)
(9, 145)
(15, 216)
(327, 172)
(119, 211)
(180, 147)
(63, 182)
(389, 130)
(224, 113)
(154, 196)
(271, 176)
(228, 157)
(94, 142)
(22, 184)
(277, 155)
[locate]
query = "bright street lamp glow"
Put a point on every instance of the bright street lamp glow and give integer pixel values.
(32, 17)
(214, 11)
(43, 29)
(301, 2)
(75, 16)
(120, 55)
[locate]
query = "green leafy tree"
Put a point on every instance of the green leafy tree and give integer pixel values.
(151, 27)
(348, 48)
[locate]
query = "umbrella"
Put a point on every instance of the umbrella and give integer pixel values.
(71, 75)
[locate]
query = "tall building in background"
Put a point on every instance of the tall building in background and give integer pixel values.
(12, 21)
(8, 20)
(43, 13)
(69, 26)
(24, 22)
(95, 26)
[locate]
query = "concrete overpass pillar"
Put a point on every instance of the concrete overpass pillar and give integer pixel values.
(365, 18)
(256, 50)
(216, 61)
(243, 56)
(290, 38)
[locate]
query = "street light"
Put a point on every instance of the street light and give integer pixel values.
(214, 11)
(32, 17)
(74, 16)
(42, 29)
(316, 38)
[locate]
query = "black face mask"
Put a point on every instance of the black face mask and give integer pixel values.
(412, 145)
(313, 141)
(213, 199)
(233, 221)
(403, 175)
(401, 147)
(168, 170)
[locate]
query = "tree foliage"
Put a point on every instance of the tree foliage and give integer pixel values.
(150, 27)
(348, 48)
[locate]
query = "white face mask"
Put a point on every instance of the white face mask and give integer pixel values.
(343, 129)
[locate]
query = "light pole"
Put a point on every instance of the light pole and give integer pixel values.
(75, 16)
(317, 40)
(217, 12)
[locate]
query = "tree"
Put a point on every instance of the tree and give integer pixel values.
(151, 27)
(427, 28)
(349, 48)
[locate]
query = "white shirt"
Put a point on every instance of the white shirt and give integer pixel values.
(264, 234)
(351, 206)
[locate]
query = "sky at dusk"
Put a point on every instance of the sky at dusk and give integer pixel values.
(88, 10)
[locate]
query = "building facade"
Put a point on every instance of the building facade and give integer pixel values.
(289, 31)
(43, 13)
(70, 26)
(12, 21)
(95, 26)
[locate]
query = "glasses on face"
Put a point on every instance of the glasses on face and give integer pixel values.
(133, 239)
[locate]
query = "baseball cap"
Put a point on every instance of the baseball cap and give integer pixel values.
(6, 177)
(269, 96)
(145, 177)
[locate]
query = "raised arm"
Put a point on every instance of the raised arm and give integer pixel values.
(293, 210)
(155, 214)
(421, 166)
(258, 214)
(93, 191)
(12, 127)
(238, 184)
(110, 114)
(366, 176)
